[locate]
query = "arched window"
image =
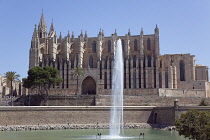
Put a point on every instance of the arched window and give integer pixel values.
(149, 59)
(91, 61)
(105, 80)
(94, 47)
(134, 80)
(134, 61)
(109, 46)
(182, 70)
(148, 44)
(166, 79)
(123, 45)
(135, 45)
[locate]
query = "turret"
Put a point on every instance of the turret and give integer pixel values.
(86, 36)
(99, 44)
(81, 49)
(42, 28)
(157, 41)
(127, 44)
(72, 36)
(141, 43)
(114, 39)
(68, 37)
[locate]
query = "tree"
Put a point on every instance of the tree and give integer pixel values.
(42, 79)
(78, 72)
(194, 125)
(11, 77)
(203, 103)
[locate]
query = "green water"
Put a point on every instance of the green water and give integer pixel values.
(89, 134)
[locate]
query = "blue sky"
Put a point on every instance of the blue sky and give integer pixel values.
(184, 24)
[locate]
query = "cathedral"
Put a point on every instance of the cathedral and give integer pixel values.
(146, 71)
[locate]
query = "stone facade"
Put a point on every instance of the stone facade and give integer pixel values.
(144, 68)
(5, 89)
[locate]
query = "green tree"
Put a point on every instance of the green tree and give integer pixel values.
(42, 78)
(203, 103)
(11, 77)
(78, 72)
(194, 125)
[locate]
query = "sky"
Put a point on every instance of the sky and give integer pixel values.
(184, 25)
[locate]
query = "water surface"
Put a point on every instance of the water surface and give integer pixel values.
(89, 134)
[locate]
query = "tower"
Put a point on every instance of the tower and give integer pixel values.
(34, 50)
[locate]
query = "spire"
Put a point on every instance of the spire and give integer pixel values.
(52, 26)
(115, 32)
(100, 32)
(72, 36)
(81, 34)
(52, 30)
(60, 36)
(86, 34)
(142, 32)
(103, 32)
(35, 30)
(42, 22)
(35, 33)
(156, 29)
(42, 28)
(129, 32)
(68, 35)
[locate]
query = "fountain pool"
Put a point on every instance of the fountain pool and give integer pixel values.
(89, 134)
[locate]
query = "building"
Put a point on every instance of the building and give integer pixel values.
(146, 72)
(5, 88)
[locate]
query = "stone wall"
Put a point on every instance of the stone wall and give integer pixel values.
(182, 93)
(104, 100)
(90, 115)
(71, 115)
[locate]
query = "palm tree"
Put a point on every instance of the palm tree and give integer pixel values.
(78, 72)
(11, 77)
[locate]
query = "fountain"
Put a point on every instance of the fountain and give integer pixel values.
(116, 118)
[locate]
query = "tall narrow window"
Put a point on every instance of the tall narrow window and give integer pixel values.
(149, 59)
(123, 45)
(134, 61)
(110, 78)
(135, 45)
(160, 63)
(148, 44)
(91, 61)
(160, 80)
(72, 62)
(105, 80)
(94, 47)
(106, 62)
(182, 70)
(109, 46)
(166, 79)
(134, 80)
(100, 70)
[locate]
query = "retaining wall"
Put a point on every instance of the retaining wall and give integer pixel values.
(71, 115)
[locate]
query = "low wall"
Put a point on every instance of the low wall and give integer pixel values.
(182, 93)
(160, 101)
(72, 115)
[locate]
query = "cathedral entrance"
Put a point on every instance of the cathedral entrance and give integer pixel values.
(88, 86)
